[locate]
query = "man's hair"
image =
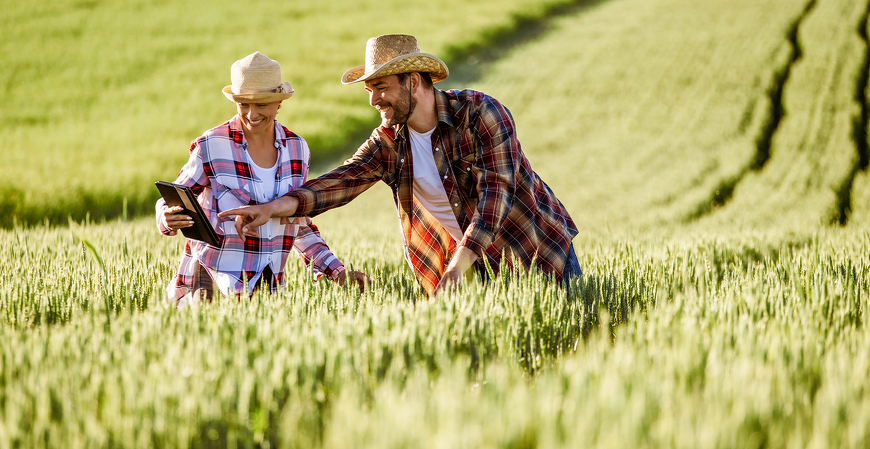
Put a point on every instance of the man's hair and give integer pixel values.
(425, 77)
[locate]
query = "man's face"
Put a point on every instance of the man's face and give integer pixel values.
(391, 98)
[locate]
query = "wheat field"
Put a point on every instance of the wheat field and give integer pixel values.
(712, 153)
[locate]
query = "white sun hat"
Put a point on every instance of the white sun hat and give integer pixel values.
(256, 78)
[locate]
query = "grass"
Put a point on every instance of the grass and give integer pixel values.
(704, 319)
(683, 343)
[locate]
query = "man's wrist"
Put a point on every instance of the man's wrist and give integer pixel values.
(462, 260)
(282, 207)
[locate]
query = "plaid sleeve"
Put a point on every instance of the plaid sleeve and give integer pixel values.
(498, 156)
(300, 168)
(191, 175)
(345, 182)
(313, 251)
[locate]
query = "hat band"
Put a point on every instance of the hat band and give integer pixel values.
(284, 88)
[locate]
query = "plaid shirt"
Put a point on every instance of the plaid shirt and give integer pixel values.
(219, 174)
(508, 213)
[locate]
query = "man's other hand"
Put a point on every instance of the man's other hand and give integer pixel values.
(461, 262)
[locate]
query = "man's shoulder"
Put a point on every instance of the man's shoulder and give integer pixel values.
(460, 103)
(383, 135)
(465, 96)
(459, 107)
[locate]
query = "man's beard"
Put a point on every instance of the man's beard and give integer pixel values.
(402, 109)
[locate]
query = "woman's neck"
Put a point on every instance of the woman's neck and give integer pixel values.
(261, 140)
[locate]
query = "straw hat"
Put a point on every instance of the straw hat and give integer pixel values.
(256, 78)
(395, 53)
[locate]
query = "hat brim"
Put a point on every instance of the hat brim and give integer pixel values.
(412, 62)
(269, 97)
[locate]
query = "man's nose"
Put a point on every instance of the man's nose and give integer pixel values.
(374, 99)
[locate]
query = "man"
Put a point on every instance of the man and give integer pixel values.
(464, 190)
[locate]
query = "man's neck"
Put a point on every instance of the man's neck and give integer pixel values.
(424, 117)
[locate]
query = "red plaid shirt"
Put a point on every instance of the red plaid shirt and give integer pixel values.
(507, 211)
(219, 174)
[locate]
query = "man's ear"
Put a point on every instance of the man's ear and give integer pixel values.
(415, 81)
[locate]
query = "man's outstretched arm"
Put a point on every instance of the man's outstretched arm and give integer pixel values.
(333, 189)
(249, 218)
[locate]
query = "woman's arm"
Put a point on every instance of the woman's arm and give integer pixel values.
(169, 221)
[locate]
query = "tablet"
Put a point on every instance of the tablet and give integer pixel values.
(182, 196)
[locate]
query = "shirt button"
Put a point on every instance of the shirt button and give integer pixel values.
(455, 204)
(467, 168)
(445, 176)
(436, 149)
(402, 160)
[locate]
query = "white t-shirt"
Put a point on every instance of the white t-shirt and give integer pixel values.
(428, 187)
(264, 195)
(267, 176)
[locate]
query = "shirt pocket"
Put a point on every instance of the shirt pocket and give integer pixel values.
(465, 173)
(227, 197)
(289, 183)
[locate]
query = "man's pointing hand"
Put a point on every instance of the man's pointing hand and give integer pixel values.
(249, 218)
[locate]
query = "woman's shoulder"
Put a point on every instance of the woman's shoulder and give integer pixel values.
(222, 141)
(284, 133)
(297, 146)
(228, 131)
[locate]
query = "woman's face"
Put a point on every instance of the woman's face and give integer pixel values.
(257, 118)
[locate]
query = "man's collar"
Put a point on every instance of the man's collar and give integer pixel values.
(442, 107)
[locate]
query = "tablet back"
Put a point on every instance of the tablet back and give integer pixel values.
(179, 195)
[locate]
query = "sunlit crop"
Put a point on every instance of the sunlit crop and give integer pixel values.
(712, 153)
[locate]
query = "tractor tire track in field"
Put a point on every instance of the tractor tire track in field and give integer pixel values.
(468, 65)
(722, 193)
(859, 131)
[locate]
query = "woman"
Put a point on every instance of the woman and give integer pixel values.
(251, 159)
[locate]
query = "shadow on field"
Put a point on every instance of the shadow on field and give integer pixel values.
(467, 65)
(859, 131)
(722, 193)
